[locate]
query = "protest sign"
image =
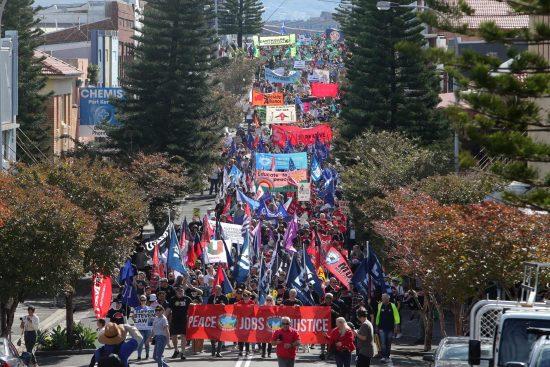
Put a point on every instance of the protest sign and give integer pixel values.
(272, 77)
(280, 181)
(280, 114)
(305, 39)
(143, 318)
(304, 191)
(289, 39)
(338, 266)
(267, 99)
(319, 76)
(297, 135)
(264, 161)
(321, 90)
(333, 35)
(101, 295)
(232, 232)
(256, 324)
(215, 252)
(299, 64)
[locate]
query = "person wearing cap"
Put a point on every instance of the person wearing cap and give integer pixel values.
(160, 333)
(287, 340)
(217, 298)
(143, 320)
(245, 301)
(153, 301)
(117, 313)
(166, 288)
(178, 322)
(113, 338)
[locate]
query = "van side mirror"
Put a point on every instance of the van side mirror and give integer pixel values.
(516, 364)
(474, 352)
(429, 357)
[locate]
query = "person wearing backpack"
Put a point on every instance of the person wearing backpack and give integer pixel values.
(113, 338)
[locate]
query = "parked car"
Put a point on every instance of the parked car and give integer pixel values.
(540, 352)
(453, 352)
(9, 357)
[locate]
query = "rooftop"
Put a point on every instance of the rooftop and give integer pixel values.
(54, 66)
(491, 10)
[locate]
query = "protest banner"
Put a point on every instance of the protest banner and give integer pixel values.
(264, 161)
(297, 135)
(232, 232)
(101, 295)
(272, 77)
(334, 35)
(279, 181)
(256, 324)
(267, 99)
(143, 319)
(304, 191)
(289, 39)
(305, 39)
(215, 252)
(321, 90)
(280, 114)
(319, 76)
(299, 64)
(150, 245)
(338, 266)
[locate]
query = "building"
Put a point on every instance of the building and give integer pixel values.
(8, 98)
(62, 109)
(77, 42)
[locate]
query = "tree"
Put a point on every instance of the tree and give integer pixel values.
(378, 163)
(168, 105)
(107, 195)
(92, 71)
(162, 180)
(457, 251)
(43, 240)
(391, 85)
(503, 111)
(35, 134)
(241, 17)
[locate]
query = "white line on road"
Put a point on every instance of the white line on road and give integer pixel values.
(240, 361)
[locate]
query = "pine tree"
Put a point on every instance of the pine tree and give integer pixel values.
(503, 109)
(168, 106)
(19, 15)
(241, 17)
(391, 85)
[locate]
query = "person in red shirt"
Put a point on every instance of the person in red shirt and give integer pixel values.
(245, 302)
(286, 339)
(341, 339)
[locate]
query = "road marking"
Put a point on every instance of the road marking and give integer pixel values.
(247, 360)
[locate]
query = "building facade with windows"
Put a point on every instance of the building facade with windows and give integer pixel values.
(8, 99)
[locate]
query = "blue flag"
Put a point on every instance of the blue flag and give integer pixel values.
(174, 257)
(310, 275)
(226, 284)
(242, 269)
(370, 269)
(288, 149)
(235, 174)
(295, 280)
(241, 197)
(316, 171)
(129, 293)
(263, 286)
(261, 146)
(291, 165)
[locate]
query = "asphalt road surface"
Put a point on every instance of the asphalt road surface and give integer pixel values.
(229, 359)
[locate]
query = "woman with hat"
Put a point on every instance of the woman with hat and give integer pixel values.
(114, 339)
(161, 334)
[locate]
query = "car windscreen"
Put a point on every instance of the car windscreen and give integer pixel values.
(454, 352)
(543, 359)
(515, 341)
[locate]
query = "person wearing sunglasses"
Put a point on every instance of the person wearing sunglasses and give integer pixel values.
(268, 303)
(287, 340)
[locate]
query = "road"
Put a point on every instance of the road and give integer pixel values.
(230, 359)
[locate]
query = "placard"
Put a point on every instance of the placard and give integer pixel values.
(304, 191)
(280, 114)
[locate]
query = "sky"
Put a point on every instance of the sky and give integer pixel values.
(291, 9)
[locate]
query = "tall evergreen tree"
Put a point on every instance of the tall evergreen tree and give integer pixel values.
(19, 15)
(168, 105)
(506, 104)
(391, 85)
(241, 17)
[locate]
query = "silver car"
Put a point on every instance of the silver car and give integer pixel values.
(9, 357)
(453, 352)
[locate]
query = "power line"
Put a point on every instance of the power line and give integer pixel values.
(274, 11)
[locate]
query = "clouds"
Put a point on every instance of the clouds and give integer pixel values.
(297, 9)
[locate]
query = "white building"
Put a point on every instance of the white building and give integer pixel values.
(8, 98)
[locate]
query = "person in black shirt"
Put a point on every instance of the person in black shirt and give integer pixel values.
(292, 300)
(117, 313)
(165, 287)
(217, 298)
(178, 323)
(161, 300)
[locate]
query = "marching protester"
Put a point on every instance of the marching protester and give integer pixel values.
(160, 334)
(115, 345)
(177, 312)
(365, 339)
(287, 340)
(143, 320)
(341, 339)
(387, 322)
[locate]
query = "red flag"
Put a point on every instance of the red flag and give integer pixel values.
(338, 266)
(227, 206)
(101, 295)
(156, 262)
(207, 233)
(191, 256)
(220, 276)
(321, 90)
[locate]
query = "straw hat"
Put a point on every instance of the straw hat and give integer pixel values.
(112, 335)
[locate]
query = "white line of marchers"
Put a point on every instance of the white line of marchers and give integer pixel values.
(246, 364)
